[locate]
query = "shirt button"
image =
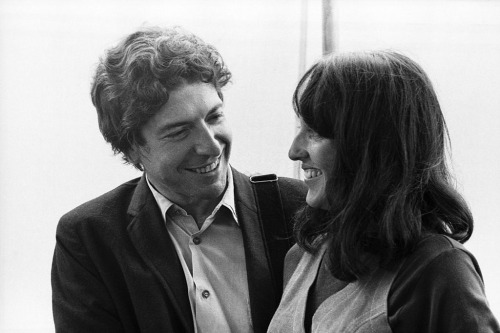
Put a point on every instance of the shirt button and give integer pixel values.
(205, 293)
(196, 240)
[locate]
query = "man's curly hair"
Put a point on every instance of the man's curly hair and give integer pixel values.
(133, 80)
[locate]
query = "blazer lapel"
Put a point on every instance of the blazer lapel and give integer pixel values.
(150, 237)
(263, 297)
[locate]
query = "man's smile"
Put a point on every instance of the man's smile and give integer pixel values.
(206, 168)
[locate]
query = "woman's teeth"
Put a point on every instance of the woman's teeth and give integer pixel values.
(312, 173)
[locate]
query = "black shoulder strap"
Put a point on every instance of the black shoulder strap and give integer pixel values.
(275, 229)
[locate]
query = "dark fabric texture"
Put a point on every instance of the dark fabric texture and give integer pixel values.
(115, 268)
(439, 288)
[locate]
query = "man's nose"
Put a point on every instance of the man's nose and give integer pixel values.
(207, 142)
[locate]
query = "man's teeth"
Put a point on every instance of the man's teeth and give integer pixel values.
(208, 168)
(312, 173)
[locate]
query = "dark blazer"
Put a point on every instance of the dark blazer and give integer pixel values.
(115, 268)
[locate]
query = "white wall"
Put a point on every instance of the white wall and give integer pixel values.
(53, 157)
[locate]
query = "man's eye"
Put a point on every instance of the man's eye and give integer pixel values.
(177, 134)
(215, 117)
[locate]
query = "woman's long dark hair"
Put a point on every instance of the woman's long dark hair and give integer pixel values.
(389, 183)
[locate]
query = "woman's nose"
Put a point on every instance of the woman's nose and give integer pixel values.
(297, 150)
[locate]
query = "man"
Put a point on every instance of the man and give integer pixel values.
(189, 246)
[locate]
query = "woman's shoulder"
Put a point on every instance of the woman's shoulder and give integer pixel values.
(438, 285)
(433, 249)
(436, 256)
(435, 244)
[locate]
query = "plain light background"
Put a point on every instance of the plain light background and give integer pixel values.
(53, 157)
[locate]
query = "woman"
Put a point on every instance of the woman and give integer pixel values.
(380, 242)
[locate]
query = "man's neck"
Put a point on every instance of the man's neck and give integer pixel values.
(201, 209)
(198, 208)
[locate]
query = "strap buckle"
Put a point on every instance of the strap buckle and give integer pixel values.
(269, 178)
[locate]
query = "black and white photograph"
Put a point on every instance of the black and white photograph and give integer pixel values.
(249, 166)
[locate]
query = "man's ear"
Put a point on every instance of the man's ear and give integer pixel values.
(134, 154)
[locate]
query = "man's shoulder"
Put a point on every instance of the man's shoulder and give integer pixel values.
(285, 183)
(292, 191)
(292, 186)
(107, 206)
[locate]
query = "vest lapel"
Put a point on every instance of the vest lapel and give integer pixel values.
(150, 237)
(263, 297)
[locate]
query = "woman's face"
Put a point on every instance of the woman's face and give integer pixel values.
(316, 156)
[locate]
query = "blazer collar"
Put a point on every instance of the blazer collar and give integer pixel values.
(150, 237)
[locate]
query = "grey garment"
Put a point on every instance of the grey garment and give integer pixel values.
(361, 306)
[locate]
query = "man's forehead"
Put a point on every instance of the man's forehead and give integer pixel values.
(188, 103)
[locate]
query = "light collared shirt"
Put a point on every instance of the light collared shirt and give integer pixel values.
(213, 261)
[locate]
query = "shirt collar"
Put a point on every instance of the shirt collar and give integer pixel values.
(227, 200)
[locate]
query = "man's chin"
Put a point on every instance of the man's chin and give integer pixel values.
(211, 192)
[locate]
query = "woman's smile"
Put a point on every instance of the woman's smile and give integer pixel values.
(312, 173)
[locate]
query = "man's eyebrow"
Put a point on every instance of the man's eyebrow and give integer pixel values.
(180, 123)
(173, 125)
(216, 108)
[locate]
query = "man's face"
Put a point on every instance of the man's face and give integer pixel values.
(187, 145)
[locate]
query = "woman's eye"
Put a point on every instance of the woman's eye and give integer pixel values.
(311, 133)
